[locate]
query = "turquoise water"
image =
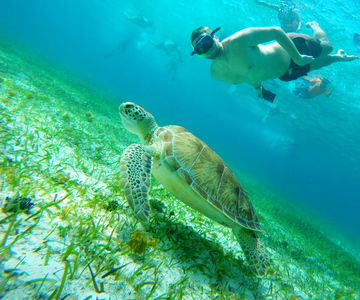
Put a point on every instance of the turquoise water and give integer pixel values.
(308, 152)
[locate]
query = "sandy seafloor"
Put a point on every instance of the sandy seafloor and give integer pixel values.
(60, 148)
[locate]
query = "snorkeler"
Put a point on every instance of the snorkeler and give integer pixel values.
(169, 47)
(140, 20)
(321, 86)
(241, 58)
(289, 18)
(172, 67)
(356, 41)
(124, 42)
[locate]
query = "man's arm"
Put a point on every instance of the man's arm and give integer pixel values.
(251, 37)
(308, 79)
(328, 93)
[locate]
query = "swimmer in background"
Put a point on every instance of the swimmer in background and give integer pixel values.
(171, 49)
(124, 42)
(356, 41)
(275, 112)
(272, 113)
(289, 18)
(137, 39)
(321, 86)
(140, 20)
(172, 67)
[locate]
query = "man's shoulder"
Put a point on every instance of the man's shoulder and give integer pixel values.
(236, 37)
(245, 37)
(235, 42)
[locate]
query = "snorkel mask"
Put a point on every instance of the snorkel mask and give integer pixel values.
(205, 42)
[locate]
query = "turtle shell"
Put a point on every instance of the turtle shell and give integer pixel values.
(207, 174)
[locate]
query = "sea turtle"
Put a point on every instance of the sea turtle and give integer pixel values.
(193, 173)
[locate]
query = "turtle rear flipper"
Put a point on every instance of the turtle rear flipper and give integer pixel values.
(135, 168)
(254, 249)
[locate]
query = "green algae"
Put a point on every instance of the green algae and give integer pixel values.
(138, 241)
(17, 203)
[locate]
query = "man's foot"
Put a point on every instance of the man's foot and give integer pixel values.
(312, 24)
(346, 57)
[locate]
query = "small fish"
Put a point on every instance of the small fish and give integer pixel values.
(356, 41)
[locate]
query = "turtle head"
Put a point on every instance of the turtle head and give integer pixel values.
(137, 120)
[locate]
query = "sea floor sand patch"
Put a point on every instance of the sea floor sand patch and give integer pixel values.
(60, 144)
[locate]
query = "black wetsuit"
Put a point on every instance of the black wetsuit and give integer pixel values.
(306, 45)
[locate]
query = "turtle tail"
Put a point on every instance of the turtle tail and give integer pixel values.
(135, 169)
(254, 250)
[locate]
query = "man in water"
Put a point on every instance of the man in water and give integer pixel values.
(289, 18)
(321, 86)
(169, 47)
(242, 58)
(172, 50)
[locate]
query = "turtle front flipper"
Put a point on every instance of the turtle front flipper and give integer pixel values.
(135, 168)
(254, 250)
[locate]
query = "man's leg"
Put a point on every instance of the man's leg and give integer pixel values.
(317, 31)
(325, 57)
(322, 36)
(330, 59)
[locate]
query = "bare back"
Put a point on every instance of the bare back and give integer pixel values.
(239, 63)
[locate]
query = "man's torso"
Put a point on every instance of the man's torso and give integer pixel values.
(239, 63)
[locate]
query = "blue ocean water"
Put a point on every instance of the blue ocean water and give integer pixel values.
(309, 150)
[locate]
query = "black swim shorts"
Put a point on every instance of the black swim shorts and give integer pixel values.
(306, 45)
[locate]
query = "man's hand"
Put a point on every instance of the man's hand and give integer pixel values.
(259, 92)
(262, 93)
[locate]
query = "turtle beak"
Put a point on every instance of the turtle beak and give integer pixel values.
(126, 108)
(123, 107)
(121, 111)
